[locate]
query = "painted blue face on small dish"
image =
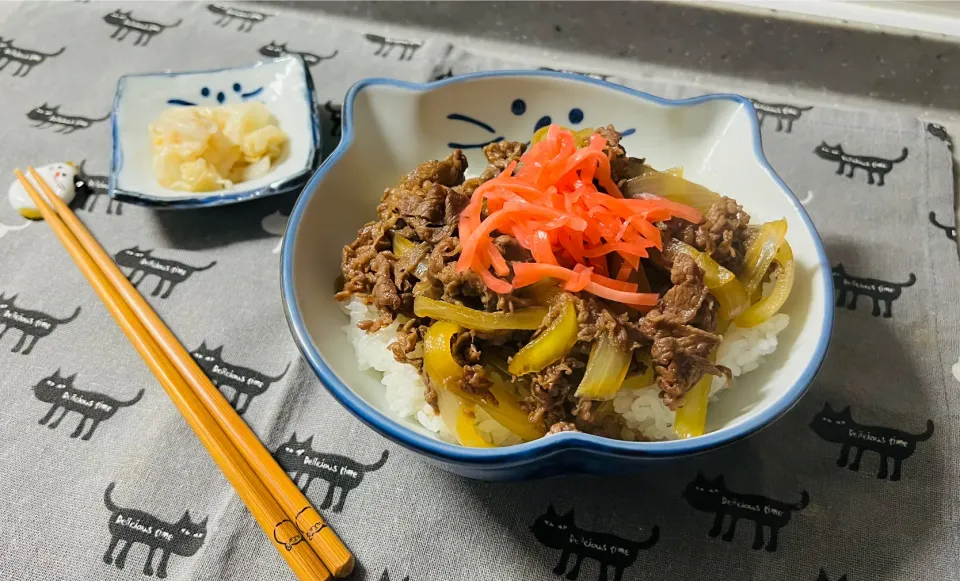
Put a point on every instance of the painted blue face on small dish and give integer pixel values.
(207, 95)
(574, 120)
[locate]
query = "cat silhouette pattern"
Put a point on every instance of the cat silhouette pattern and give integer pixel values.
(227, 14)
(385, 46)
(93, 407)
(840, 428)
(275, 50)
(335, 110)
(823, 577)
(940, 132)
(560, 532)
(94, 187)
(245, 383)
(713, 496)
(126, 23)
(874, 166)
(25, 58)
(882, 292)
(129, 526)
(783, 113)
(144, 263)
(47, 116)
(950, 231)
(386, 576)
(301, 460)
(442, 75)
(33, 325)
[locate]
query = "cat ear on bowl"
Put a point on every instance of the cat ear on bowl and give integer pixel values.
(719, 481)
(308, 442)
(845, 412)
(827, 409)
(71, 378)
(551, 511)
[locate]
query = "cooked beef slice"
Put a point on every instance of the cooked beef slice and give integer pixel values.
(722, 233)
(680, 351)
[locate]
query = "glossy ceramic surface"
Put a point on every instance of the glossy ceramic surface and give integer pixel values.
(284, 85)
(390, 127)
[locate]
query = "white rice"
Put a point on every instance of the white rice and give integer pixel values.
(404, 387)
(742, 350)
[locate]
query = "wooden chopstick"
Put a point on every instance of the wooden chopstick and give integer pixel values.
(316, 532)
(269, 515)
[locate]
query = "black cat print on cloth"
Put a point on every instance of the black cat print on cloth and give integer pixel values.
(126, 23)
(840, 428)
(129, 526)
(33, 325)
(144, 263)
(228, 14)
(60, 393)
(47, 116)
(950, 231)
(275, 50)
(782, 112)
(823, 577)
(300, 459)
(713, 496)
(441, 75)
(874, 166)
(940, 132)
(385, 46)
(94, 187)
(25, 58)
(560, 532)
(336, 117)
(882, 292)
(245, 383)
(386, 576)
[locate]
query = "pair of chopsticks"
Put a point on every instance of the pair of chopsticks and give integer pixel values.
(299, 533)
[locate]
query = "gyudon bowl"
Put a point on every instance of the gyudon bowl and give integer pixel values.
(391, 127)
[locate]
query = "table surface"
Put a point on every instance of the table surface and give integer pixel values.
(133, 495)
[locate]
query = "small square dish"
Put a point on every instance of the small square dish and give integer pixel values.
(283, 85)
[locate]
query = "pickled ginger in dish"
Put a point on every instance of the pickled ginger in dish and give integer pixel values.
(203, 149)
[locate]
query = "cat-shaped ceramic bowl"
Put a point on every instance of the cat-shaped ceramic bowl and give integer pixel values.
(283, 85)
(389, 127)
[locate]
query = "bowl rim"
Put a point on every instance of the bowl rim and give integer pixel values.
(282, 184)
(387, 426)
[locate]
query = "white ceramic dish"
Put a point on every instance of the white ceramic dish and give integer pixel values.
(714, 138)
(284, 85)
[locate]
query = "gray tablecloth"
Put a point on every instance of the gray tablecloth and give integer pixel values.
(860, 479)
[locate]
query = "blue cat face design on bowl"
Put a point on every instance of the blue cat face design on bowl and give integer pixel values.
(574, 120)
(206, 95)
